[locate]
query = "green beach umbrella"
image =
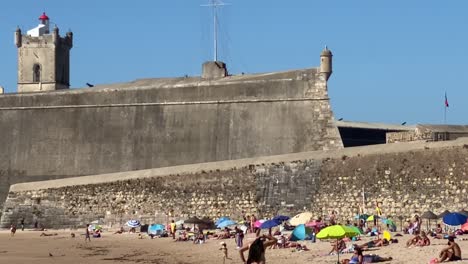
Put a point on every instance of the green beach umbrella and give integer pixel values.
(389, 222)
(356, 229)
(337, 232)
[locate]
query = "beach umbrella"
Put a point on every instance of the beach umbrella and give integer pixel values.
(301, 218)
(336, 232)
(441, 215)
(226, 223)
(259, 223)
(463, 212)
(454, 219)
(221, 219)
(133, 223)
(356, 229)
(429, 215)
(269, 224)
(388, 222)
(372, 217)
(314, 223)
(155, 229)
(194, 220)
(301, 232)
(363, 216)
(94, 227)
(281, 218)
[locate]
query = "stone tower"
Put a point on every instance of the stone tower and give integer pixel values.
(43, 58)
(326, 63)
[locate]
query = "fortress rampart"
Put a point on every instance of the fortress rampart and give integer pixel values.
(155, 123)
(406, 178)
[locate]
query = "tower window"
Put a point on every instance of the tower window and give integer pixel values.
(37, 73)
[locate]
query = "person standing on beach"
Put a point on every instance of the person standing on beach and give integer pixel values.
(378, 212)
(252, 223)
(22, 224)
(257, 249)
(12, 230)
(87, 235)
(173, 229)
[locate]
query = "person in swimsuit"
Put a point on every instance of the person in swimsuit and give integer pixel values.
(450, 253)
(257, 250)
(424, 240)
(357, 258)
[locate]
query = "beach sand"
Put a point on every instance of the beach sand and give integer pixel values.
(29, 247)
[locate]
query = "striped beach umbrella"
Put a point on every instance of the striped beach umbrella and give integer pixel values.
(133, 223)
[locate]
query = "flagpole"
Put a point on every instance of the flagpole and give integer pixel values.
(445, 115)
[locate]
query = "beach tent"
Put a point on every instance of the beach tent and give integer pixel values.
(300, 219)
(226, 223)
(221, 219)
(464, 227)
(336, 232)
(301, 232)
(180, 222)
(133, 223)
(156, 229)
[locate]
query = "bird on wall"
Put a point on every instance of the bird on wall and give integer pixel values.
(404, 123)
(90, 85)
(340, 119)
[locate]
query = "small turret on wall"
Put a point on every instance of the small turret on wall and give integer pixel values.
(326, 63)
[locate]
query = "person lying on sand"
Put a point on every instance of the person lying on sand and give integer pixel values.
(357, 257)
(450, 253)
(46, 234)
(374, 243)
(120, 231)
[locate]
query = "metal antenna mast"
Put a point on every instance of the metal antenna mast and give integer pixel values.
(215, 4)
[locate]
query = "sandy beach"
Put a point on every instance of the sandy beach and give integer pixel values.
(29, 247)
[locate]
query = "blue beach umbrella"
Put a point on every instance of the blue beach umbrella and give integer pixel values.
(281, 218)
(133, 223)
(155, 228)
(224, 218)
(454, 219)
(270, 223)
(226, 223)
(300, 232)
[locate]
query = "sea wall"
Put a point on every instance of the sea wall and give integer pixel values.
(156, 123)
(406, 178)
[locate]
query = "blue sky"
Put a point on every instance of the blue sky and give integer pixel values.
(393, 60)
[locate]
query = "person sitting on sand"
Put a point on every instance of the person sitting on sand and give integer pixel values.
(357, 258)
(423, 240)
(374, 243)
(438, 229)
(120, 231)
(257, 249)
(182, 236)
(337, 246)
(413, 241)
(450, 253)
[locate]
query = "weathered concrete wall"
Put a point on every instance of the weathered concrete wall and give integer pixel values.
(162, 122)
(405, 178)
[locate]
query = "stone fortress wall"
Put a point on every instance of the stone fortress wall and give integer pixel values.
(154, 123)
(407, 178)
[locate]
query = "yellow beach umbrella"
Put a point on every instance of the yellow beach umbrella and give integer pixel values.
(337, 232)
(387, 235)
(300, 219)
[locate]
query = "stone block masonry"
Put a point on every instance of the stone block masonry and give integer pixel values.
(405, 178)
